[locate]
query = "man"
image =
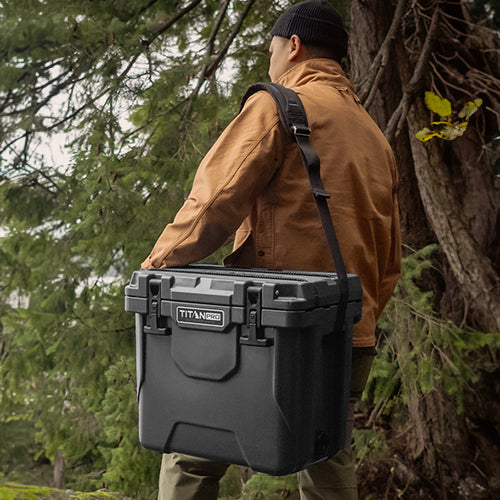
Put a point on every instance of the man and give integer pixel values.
(252, 181)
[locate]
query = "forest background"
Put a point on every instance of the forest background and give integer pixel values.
(139, 90)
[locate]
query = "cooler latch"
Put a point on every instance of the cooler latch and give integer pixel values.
(153, 320)
(255, 336)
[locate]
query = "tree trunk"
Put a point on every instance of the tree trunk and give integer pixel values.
(59, 471)
(478, 280)
(370, 21)
(447, 195)
(455, 203)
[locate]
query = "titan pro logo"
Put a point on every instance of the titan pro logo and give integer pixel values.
(199, 316)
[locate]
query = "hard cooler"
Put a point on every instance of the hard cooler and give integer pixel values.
(242, 366)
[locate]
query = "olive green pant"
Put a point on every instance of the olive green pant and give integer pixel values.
(183, 477)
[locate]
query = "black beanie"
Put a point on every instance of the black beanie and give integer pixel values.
(313, 21)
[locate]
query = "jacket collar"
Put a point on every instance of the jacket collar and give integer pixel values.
(321, 70)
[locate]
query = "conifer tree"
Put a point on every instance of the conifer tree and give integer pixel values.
(142, 89)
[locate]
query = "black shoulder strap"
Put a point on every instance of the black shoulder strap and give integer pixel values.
(294, 119)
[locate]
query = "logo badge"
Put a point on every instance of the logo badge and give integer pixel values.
(199, 316)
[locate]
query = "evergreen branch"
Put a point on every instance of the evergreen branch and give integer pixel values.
(383, 401)
(216, 27)
(48, 83)
(5, 102)
(211, 66)
(76, 77)
(72, 115)
(135, 131)
(35, 107)
(24, 151)
(121, 76)
(11, 99)
(214, 65)
(204, 73)
(9, 145)
(160, 28)
(49, 180)
(146, 7)
(149, 121)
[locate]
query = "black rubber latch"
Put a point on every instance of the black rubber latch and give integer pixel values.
(255, 332)
(153, 319)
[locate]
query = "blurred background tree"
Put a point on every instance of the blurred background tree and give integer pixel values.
(138, 91)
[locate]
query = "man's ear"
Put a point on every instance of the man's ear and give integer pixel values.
(296, 48)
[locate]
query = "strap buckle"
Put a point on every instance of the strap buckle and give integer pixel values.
(320, 192)
(301, 130)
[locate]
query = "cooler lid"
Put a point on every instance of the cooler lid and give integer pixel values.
(205, 284)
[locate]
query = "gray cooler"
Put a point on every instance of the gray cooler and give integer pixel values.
(243, 366)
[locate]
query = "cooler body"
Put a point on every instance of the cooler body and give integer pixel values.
(242, 366)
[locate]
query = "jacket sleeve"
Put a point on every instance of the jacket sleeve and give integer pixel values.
(229, 179)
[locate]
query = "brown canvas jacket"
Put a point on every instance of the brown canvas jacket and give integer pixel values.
(252, 181)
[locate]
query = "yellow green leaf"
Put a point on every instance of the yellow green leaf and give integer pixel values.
(470, 108)
(450, 132)
(425, 134)
(438, 105)
(449, 124)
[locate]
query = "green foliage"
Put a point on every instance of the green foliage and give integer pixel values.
(231, 484)
(370, 444)
(13, 491)
(125, 458)
(130, 84)
(242, 484)
(17, 434)
(261, 486)
(420, 353)
(451, 125)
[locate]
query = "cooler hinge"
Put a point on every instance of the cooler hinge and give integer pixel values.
(255, 332)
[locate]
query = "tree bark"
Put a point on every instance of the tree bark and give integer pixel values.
(455, 203)
(370, 21)
(478, 280)
(59, 470)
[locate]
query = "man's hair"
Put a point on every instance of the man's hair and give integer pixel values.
(320, 50)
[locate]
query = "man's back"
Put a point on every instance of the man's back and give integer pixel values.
(283, 230)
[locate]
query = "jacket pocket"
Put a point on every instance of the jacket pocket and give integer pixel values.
(242, 254)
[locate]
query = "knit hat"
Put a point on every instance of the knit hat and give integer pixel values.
(313, 21)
